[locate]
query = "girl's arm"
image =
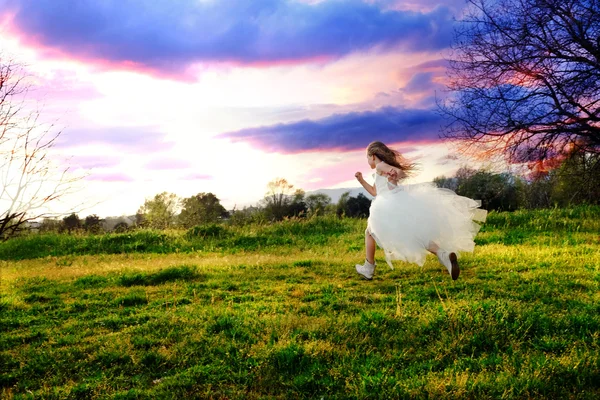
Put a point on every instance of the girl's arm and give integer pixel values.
(369, 188)
(394, 174)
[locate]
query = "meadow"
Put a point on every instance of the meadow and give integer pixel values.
(276, 311)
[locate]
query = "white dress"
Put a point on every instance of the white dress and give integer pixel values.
(404, 219)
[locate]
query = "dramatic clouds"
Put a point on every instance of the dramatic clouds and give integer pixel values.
(256, 89)
(167, 37)
(344, 132)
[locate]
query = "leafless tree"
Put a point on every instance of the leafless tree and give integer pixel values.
(279, 193)
(282, 200)
(524, 78)
(30, 181)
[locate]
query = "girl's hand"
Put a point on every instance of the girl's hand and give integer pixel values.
(393, 176)
(358, 176)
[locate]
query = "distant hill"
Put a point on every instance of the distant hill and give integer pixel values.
(335, 194)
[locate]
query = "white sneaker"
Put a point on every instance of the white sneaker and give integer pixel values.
(366, 270)
(450, 261)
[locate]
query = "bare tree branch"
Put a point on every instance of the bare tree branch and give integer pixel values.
(524, 78)
(30, 181)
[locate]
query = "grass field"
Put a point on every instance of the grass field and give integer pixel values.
(277, 311)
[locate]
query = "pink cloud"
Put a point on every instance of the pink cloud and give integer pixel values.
(168, 163)
(94, 161)
(110, 177)
(197, 177)
(63, 86)
(123, 139)
(331, 175)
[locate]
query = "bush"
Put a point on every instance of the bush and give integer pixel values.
(171, 274)
(210, 230)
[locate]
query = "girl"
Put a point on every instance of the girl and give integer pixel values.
(407, 222)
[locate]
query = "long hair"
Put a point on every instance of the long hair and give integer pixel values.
(391, 157)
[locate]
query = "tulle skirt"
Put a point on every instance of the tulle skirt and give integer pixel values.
(406, 221)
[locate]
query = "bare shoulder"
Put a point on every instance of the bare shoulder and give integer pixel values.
(383, 168)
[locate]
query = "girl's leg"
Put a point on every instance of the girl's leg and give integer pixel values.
(433, 248)
(369, 247)
(447, 259)
(367, 269)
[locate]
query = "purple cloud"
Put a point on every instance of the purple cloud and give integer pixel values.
(168, 36)
(197, 177)
(447, 159)
(423, 89)
(432, 65)
(95, 161)
(344, 132)
(168, 163)
(420, 82)
(419, 4)
(63, 86)
(123, 139)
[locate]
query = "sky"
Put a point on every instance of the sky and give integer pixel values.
(224, 96)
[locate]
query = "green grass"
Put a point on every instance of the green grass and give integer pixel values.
(277, 311)
(316, 231)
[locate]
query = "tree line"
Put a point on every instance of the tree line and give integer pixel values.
(168, 211)
(570, 184)
(281, 201)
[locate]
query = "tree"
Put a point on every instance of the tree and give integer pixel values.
(159, 212)
(317, 203)
(564, 181)
(577, 180)
(50, 225)
(282, 201)
(342, 204)
(496, 191)
(201, 209)
(446, 183)
(247, 215)
(92, 223)
(71, 222)
(297, 207)
(525, 78)
(538, 192)
(30, 181)
(121, 227)
(139, 219)
(279, 190)
(358, 207)
(354, 207)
